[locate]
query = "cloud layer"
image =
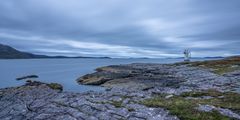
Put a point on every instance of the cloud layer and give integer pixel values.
(122, 28)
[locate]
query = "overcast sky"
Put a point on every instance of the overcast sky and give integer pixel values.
(122, 28)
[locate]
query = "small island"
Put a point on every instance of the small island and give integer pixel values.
(207, 90)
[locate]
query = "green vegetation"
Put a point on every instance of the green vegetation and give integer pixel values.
(217, 66)
(227, 100)
(185, 109)
(210, 92)
(55, 86)
(117, 104)
(220, 66)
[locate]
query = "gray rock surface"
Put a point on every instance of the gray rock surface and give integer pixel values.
(226, 112)
(176, 77)
(40, 102)
(127, 86)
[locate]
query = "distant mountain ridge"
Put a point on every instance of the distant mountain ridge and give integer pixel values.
(7, 52)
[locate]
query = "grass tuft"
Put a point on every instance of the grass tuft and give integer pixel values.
(220, 66)
(117, 104)
(55, 86)
(185, 109)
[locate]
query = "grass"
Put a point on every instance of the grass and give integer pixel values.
(210, 92)
(229, 101)
(220, 66)
(55, 86)
(117, 104)
(185, 109)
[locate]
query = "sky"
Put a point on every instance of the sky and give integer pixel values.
(122, 28)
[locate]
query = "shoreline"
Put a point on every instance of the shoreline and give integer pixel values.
(53, 70)
(213, 74)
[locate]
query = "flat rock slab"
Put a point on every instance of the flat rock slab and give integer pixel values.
(142, 76)
(41, 103)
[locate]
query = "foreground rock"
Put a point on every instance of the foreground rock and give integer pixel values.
(40, 102)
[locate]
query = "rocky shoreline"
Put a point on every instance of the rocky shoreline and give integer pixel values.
(180, 75)
(194, 90)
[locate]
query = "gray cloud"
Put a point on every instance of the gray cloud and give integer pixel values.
(122, 28)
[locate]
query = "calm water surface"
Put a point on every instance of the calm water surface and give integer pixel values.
(63, 71)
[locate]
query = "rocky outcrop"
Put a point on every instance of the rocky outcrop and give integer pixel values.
(40, 102)
(27, 77)
(144, 76)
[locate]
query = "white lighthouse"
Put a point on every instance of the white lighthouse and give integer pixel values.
(187, 55)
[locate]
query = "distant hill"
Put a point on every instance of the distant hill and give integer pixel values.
(7, 52)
